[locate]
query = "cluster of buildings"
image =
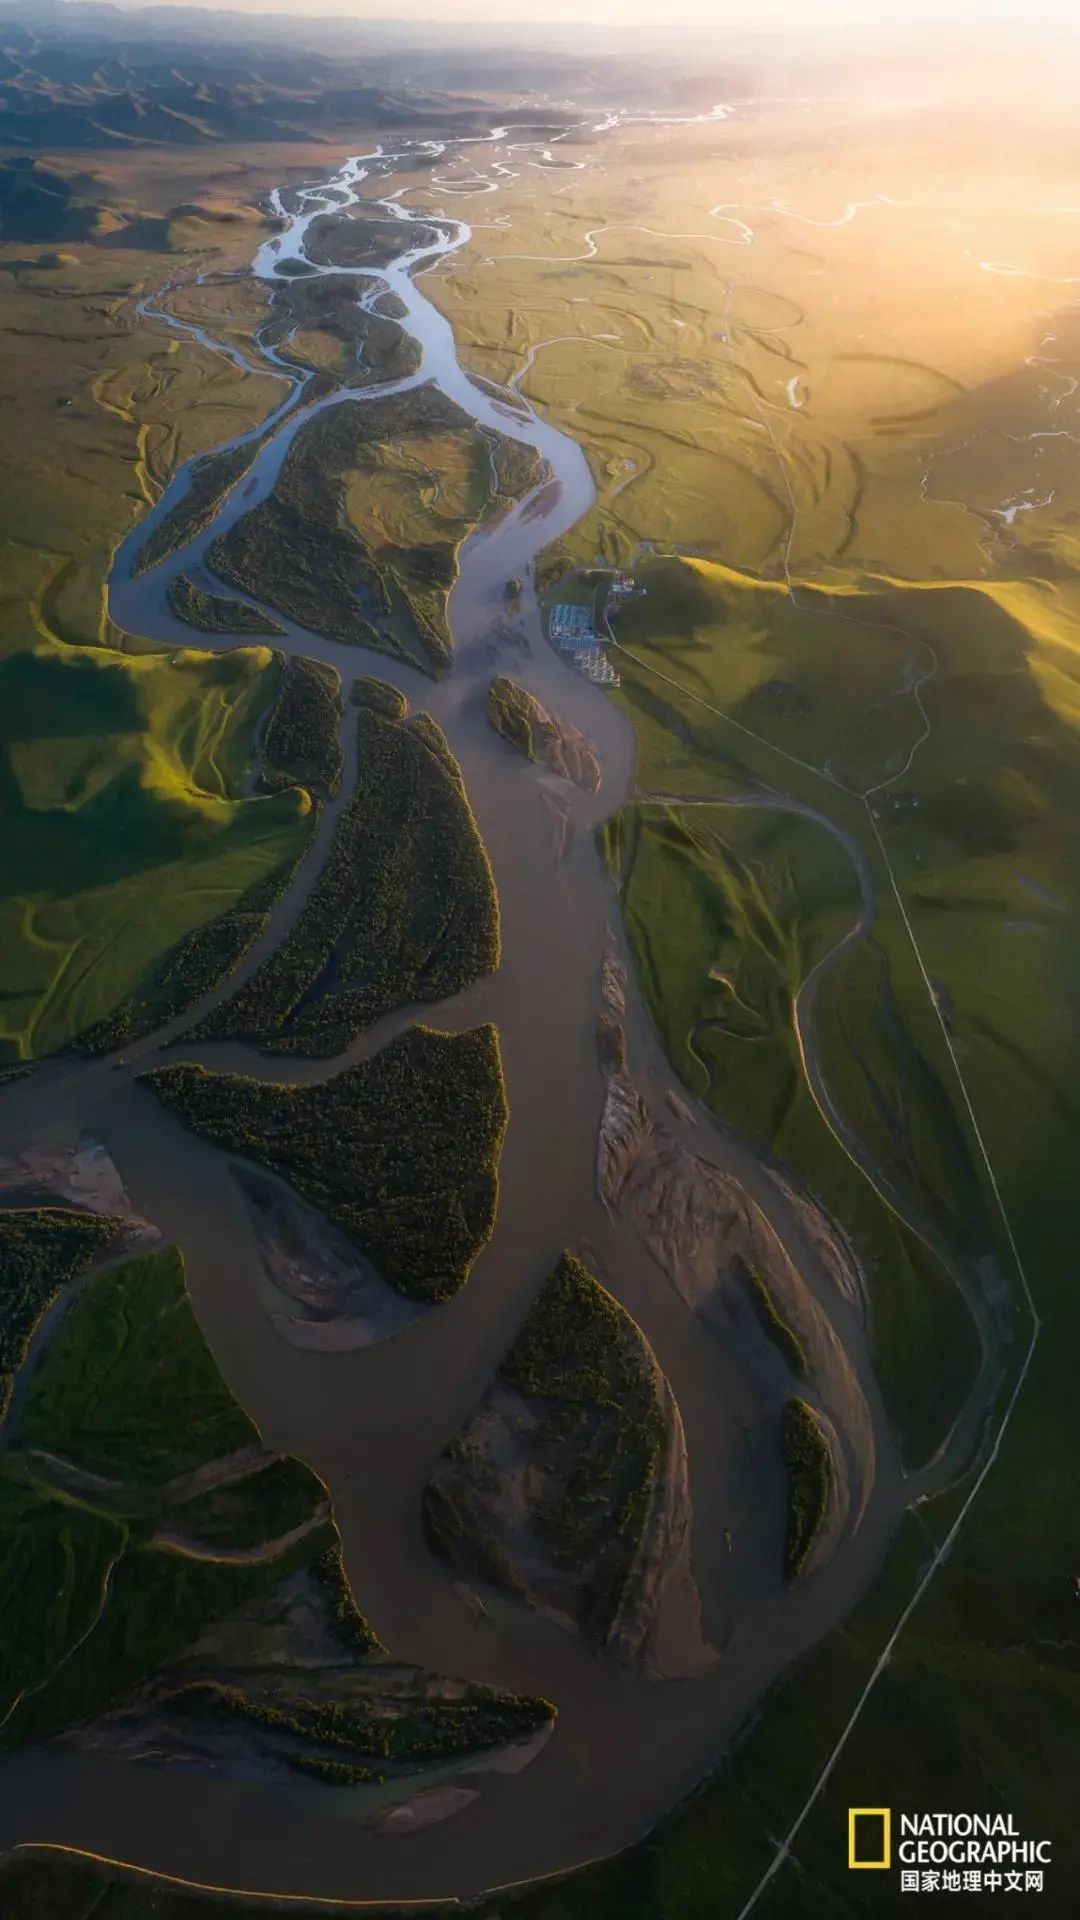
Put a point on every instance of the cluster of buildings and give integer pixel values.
(621, 589)
(572, 628)
(571, 625)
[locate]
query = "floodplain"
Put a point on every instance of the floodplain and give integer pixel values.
(823, 375)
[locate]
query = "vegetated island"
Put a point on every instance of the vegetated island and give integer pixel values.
(369, 691)
(200, 1578)
(300, 551)
(404, 912)
(210, 478)
(568, 1487)
(215, 613)
(399, 1152)
(538, 734)
(301, 744)
(320, 324)
(808, 1460)
(783, 1336)
(360, 238)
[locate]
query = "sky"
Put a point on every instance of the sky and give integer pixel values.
(711, 14)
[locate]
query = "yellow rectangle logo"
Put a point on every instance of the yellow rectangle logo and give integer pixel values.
(883, 1856)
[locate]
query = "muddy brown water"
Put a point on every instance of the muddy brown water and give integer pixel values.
(372, 1422)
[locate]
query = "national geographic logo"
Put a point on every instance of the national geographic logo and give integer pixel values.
(869, 1838)
(948, 1852)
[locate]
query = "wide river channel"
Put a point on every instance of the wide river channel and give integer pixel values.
(372, 1422)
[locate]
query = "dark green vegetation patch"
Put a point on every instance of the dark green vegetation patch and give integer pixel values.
(809, 1469)
(302, 745)
(359, 239)
(784, 1338)
(128, 1403)
(518, 717)
(401, 1152)
(213, 612)
(130, 1389)
(368, 691)
(159, 1562)
(298, 551)
(593, 1438)
(42, 1250)
(436, 1730)
(519, 468)
(319, 323)
(209, 479)
(404, 912)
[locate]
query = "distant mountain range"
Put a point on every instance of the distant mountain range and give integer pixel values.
(94, 77)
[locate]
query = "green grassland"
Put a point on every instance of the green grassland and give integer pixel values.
(100, 412)
(728, 909)
(400, 1151)
(659, 318)
(49, 1888)
(820, 679)
(121, 776)
(979, 834)
(404, 911)
(127, 1391)
(977, 1702)
(879, 487)
(193, 967)
(299, 748)
(127, 830)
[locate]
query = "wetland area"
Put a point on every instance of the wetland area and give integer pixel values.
(571, 1110)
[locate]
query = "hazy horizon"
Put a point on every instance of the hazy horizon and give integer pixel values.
(737, 15)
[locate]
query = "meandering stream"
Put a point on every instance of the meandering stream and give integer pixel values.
(372, 1422)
